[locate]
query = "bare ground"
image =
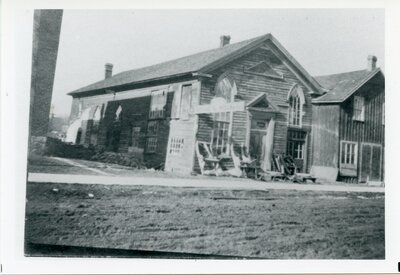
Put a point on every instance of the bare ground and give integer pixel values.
(273, 224)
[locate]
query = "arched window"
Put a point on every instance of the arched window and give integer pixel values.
(296, 101)
(225, 90)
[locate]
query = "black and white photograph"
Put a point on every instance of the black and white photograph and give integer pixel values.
(205, 134)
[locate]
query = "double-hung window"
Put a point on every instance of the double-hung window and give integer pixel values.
(348, 154)
(224, 91)
(219, 135)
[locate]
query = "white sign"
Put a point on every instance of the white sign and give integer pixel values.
(219, 108)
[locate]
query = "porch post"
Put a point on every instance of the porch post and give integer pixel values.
(269, 142)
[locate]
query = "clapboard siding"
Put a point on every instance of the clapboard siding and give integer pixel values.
(250, 86)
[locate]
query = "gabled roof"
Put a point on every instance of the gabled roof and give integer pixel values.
(343, 85)
(197, 63)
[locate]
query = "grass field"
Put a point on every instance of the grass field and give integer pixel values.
(273, 224)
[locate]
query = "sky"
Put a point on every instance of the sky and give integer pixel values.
(323, 41)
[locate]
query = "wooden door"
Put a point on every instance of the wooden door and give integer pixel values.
(258, 134)
(371, 162)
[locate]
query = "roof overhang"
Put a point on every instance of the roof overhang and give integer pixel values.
(352, 91)
(117, 88)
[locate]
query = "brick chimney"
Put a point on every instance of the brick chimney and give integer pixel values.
(371, 65)
(224, 40)
(109, 68)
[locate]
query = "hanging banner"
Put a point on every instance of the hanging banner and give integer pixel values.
(220, 108)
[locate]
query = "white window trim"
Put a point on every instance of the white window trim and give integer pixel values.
(299, 91)
(348, 165)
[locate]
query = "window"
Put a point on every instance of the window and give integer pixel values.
(358, 108)
(152, 128)
(135, 137)
(296, 144)
(151, 145)
(176, 146)
(158, 101)
(219, 135)
(152, 136)
(348, 153)
(226, 90)
(296, 101)
(186, 101)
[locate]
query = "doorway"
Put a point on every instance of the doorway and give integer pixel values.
(258, 133)
(296, 148)
(371, 162)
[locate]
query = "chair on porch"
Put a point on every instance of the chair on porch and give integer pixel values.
(208, 162)
(244, 163)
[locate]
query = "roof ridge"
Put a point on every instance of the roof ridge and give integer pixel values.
(326, 75)
(216, 50)
(194, 54)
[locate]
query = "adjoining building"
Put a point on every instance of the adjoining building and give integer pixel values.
(349, 125)
(252, 94)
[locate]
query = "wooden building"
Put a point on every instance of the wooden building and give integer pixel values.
(251, 94)
(348, 126)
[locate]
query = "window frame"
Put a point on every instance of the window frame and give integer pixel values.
(296, 143)
(152, 132)
(222, 121)
(156, 113)
(184, 109)
(153, 141)
(350, 160)
(296, 101)
(359, 112)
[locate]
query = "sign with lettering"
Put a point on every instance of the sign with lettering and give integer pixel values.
(220, 108)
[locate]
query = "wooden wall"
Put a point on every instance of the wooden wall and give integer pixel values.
(371, 129)
(251, 85)
(333, 123)
(325, 135)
